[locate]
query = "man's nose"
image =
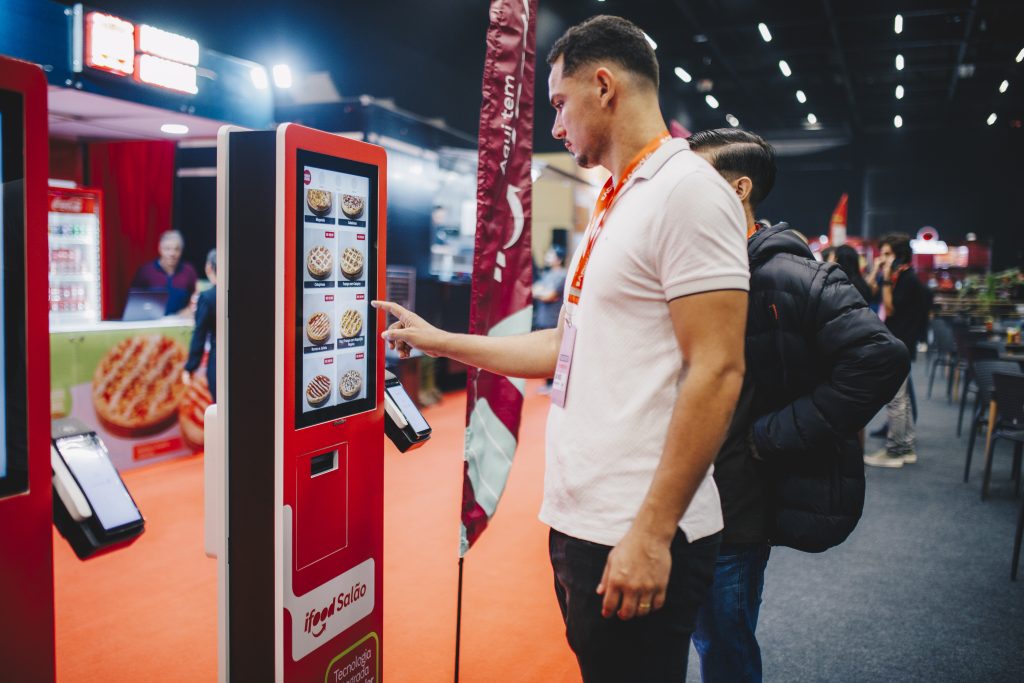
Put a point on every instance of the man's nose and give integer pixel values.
(557, 131)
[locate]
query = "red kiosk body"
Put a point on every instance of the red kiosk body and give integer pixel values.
(26, 509)
(329, 407)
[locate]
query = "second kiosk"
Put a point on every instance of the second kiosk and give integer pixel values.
(295, 445)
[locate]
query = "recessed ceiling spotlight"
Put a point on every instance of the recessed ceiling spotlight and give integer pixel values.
(800, 96)
(897, 121)
(898, 24)
(733, 121)
(650, 41)
(784, 68)
(683, 75)
(259, 77)
(991, 118)
(282, 75)
(765, 33)
(812, 119)
(899, 92)
(1004, 86)
(174, 129)
(900, 63)
(1020, 56)
(712, 102)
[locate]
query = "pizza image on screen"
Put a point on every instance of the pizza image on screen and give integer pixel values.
(320, 262)
(318, 390)
(351, 323)
(351, 205)
(318, 328)
(351, 384)
(319, 201)
(192, 410)
(351, 263)
(137, 386)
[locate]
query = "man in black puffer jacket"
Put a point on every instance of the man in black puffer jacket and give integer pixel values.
(820, 365)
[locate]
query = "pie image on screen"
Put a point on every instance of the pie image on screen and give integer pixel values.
(351, 205)
(137, 386)
(320, 263)
(318, 390)
(193, 408)
(351, 384)
(318, 328)
(319, 201)
(351, 323)
(351, 263)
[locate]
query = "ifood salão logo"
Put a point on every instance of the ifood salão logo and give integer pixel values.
(316, 619)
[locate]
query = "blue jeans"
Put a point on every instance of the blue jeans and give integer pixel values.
(727, 619)
(652, 649)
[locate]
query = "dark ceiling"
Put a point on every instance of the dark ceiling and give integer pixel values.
(428, 56)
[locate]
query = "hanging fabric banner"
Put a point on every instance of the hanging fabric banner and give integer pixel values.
(502, 261)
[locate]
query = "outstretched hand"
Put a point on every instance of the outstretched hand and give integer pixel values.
(410, 331)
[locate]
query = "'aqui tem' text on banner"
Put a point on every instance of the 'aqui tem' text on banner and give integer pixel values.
(502, 262)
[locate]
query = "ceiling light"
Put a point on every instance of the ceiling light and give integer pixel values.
(683, 75)
(899, 63)
(174, 129)
(765, 33)
(1020, 56)
(784, 68)
(712, 102)
(733, 121)
(899, 92)
(898, 24)
(650, 41)
(812, 119)
(259, 77)
(1003, 86)
(991, 118)
(897, 121)
(282, 75)
(800, 96)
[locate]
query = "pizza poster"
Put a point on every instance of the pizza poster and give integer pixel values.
(127, 386)
(335, 305)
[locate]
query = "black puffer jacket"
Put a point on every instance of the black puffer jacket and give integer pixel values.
(821, 365)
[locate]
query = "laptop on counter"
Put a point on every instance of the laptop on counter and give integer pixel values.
(145, 304)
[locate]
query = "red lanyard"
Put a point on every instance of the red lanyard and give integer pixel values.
(604, 204)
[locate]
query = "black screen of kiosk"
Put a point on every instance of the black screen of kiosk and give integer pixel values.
(13, 414)
(91, 467)
(336, 272)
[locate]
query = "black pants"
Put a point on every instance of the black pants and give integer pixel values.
(651, 649)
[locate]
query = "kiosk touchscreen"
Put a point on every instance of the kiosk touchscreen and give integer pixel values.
(330, 404)
(26, 535)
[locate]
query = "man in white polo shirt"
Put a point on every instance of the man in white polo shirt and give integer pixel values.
(648, 363)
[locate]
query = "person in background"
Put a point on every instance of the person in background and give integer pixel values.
(819, 366)
(849, 260)
(169, 272)
(653, 323)
(548, 291)
(205, 329)
(828, 255)
(906, 303)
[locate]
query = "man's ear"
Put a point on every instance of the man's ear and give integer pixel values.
(743, 187)
(607, 84)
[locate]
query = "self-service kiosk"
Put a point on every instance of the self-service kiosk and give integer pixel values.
(26, 537)
(295, 445)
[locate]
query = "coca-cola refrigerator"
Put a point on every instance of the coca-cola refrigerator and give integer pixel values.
(75, 217)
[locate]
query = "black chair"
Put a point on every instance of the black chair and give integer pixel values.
(974, 353)
(983, 372)
(1009, 396)
(945, 352)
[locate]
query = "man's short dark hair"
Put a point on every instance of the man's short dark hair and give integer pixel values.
(736, 152)
(899, 242)
(606, 37)
(211, 259)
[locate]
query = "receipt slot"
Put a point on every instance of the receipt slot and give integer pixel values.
(26, 513)
(295, 445)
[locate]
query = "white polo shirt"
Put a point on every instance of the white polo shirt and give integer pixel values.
(676, 229)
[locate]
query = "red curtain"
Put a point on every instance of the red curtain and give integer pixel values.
(137, 179)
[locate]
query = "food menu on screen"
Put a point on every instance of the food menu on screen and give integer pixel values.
(335, 306)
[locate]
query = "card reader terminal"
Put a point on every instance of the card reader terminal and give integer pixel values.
(404, 423)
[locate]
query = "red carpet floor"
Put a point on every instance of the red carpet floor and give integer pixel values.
(148, 612)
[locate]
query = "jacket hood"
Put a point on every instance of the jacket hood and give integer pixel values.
(778, 239)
